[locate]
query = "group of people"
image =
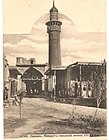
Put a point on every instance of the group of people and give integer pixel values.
(76, 90)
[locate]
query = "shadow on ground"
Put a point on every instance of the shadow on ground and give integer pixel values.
(75, 125)
(11, 123)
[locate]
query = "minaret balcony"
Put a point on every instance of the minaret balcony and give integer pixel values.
(53, 28)
(56, 22)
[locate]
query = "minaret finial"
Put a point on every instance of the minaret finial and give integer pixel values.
(53, 3)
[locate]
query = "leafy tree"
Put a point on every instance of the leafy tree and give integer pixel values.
(98, 79)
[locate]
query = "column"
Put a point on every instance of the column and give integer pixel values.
(68, 80)
(80, 80)
(54, 85)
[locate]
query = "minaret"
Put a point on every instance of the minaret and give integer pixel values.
(53, 30)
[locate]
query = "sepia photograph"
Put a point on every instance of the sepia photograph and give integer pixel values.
(54, 69)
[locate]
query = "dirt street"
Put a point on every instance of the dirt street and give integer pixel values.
(41, 116)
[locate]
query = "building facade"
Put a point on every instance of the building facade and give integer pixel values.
(6, 91)
(32, 80)
(10, 78)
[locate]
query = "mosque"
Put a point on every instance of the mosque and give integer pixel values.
(50, 80)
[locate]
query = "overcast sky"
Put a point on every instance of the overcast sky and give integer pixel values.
(83, 29)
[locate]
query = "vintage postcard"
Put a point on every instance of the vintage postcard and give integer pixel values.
(54, 69)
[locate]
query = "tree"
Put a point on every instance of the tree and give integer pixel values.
(98, 79)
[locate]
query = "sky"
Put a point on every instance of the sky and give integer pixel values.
(83, 35)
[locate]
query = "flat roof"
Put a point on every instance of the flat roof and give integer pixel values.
(85, 63)
(59, 68)
(50, 70)
(14, 68)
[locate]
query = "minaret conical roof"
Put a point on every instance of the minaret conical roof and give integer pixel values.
(53, 9)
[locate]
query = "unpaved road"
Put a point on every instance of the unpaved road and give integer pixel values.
(40, 116)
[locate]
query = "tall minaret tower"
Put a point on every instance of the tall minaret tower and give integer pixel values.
(53, 30)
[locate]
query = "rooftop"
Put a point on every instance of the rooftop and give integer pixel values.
(85, 63)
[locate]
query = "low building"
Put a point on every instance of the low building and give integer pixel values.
(72, 81)
(10, 78)
(14, 73)
(56, 81)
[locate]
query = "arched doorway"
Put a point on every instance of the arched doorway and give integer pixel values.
(33, 80)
